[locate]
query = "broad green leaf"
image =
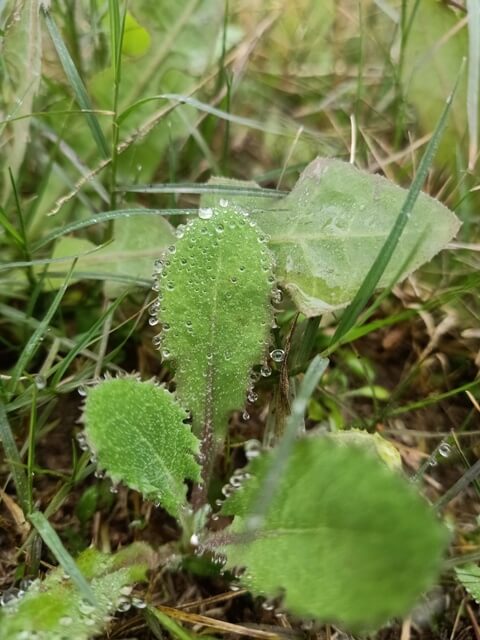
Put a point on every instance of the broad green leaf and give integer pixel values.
(344, 538)
(469, 577)
(373, 443)
(328, 231)
(216, 313)
(137, 241)
(433, 55)
(138, 434)
(20, 68)
(136, 39)
(54, 609)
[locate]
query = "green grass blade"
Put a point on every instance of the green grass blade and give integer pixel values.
(368, 286)
(14, 460)
(76, 83)
(53, 542)
(36, 338)
(104, 217)
(473, 7)
(193, 188)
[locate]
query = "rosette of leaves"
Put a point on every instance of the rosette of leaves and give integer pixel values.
(344, 539)
(54, 609)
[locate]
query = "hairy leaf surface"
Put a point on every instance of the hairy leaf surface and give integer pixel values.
(346, 539)
(216, 313)
(137, 432)
(469, 577)
(54, 608)
(328, 231)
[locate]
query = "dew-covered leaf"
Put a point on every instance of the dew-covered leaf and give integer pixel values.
(328, 231)
(54, 609)
(138, 434)
(137, 241)
(20, 68)
(469, 577)
(216, 313)
(344, 538)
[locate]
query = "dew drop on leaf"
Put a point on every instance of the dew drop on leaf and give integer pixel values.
(205, 214)
(277, 355)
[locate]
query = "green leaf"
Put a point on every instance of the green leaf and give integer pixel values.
(328, 231)
(137, 241)
(469, 578)
(20, 74)
(433, 56)
(137, 432)
(54, 608)
(136, 39)
(216, 314)
(346, 539)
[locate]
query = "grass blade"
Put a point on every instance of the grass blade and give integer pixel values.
(193, 188)
(53, 542)
(372, 278)
(76, 83)
(36, 338)
(313, 374)
(14, 460)
(105, 217)
(473, 7)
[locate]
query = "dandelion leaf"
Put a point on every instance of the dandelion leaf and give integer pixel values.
(137, 432)
(55, 608)
(216, 314)
(344, 539)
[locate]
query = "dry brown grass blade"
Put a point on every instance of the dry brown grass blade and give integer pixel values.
(221, 625)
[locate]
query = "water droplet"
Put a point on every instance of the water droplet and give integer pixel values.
(82, 442)
(152, 321)
(234, 279)
(9, 596)
(277, 296)
(245, 416)
(138, 603)
(265, 371)
(220, 228)
(82, 391)
(156, 286)
(227, 490)
(157, 341)
(234, 587)
(268, 605)
(252, 396)
(444, 449)
(166, 326)
(170, 286)
(205, 214)
(253, 449)
(99, 473)
(165, 354)
(124, 604)
(40, 382)
(223, 203)
(114, 488)
(158, 265)
(86, 608)
(194, 541)
(25, 584)
(432, 462)
(277, 355)
(172, 249)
